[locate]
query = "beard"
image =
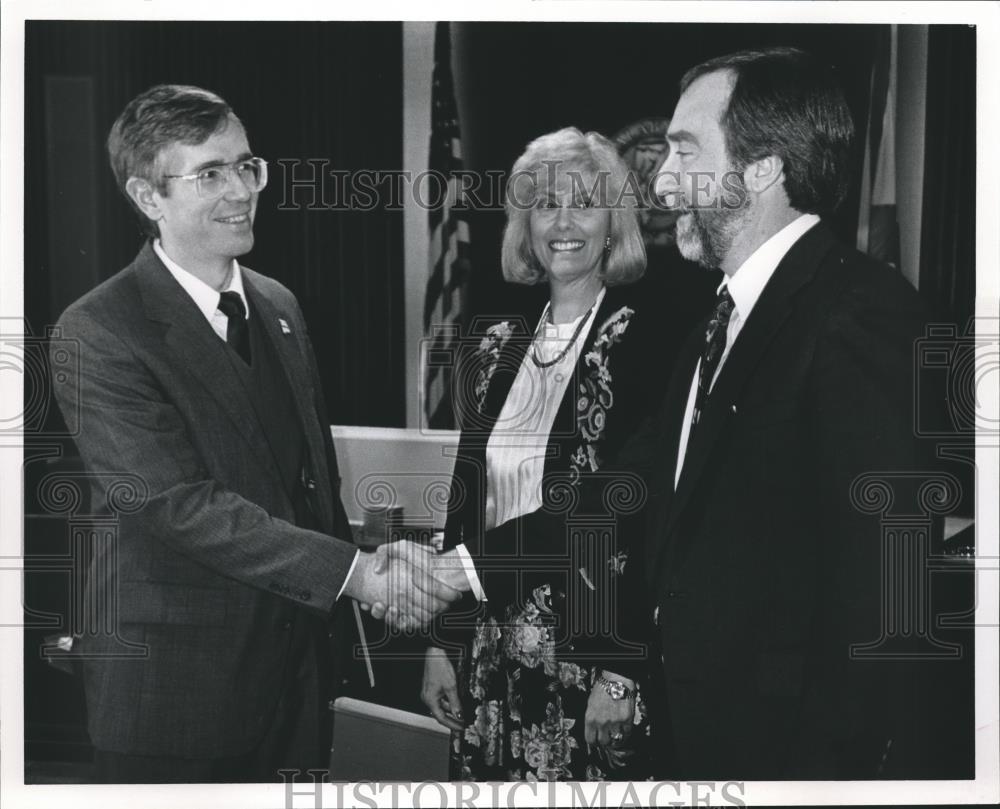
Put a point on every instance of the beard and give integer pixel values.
(706, 235)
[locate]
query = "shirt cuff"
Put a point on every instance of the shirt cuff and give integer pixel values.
(470, 572)
(347, 578)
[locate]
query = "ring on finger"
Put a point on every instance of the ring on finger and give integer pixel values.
(617, 736)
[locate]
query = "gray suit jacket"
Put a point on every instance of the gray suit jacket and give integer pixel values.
(191, 594)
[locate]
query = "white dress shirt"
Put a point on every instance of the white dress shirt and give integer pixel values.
(205, 297)
(516, 450)
(745, 287)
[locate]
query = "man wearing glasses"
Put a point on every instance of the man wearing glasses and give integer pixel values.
(198, 387)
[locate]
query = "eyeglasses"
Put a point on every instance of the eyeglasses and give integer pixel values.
(213, 181)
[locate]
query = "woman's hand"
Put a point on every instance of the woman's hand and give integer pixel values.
(440, 691)
(608, 722)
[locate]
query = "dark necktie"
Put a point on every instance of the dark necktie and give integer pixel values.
(712, 351)
(237, 334)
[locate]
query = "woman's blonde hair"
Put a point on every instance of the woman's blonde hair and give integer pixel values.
(592, 154)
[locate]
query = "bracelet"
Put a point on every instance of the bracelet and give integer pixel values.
(615, 689)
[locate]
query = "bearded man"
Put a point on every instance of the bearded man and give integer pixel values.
(763, 574)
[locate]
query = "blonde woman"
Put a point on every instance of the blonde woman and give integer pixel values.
(524, 672)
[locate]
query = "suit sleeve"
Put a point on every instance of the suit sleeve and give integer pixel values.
(615, 573)
(466, 501)
(622, 489)
(128, 423)
(452, 630)
(860, 401)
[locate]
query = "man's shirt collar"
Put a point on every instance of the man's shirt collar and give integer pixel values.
(205, 297)
(748, 282)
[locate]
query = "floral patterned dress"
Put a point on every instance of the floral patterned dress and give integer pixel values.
(527, 708)
(524, 693)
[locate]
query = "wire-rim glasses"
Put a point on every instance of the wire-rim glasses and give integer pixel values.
(214, 180)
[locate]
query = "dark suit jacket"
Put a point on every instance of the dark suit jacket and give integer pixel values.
(208, 567)
(763, 565)
(579, 521)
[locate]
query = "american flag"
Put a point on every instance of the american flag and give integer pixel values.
(449, 243)
(878, 228)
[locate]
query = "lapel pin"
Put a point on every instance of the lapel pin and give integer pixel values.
(284, 326)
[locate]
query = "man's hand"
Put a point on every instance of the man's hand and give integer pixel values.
(448, 569)
(608, 722)
(439, 692)
(397, 581)
(445, 567)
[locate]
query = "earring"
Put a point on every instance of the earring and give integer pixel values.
(607, 244)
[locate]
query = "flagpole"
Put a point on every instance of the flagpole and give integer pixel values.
(418, 63)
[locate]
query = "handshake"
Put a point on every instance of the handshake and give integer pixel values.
(407, 584)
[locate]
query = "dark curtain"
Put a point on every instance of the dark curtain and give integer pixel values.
(330, 93)
(948, 243)
(948, 369)
(948, 251)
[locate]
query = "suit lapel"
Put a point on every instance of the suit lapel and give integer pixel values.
(565, 438)
(773, 307)
(508, 365)
(197, 348)
(470, 463)
(292, 362)
(671, 417)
